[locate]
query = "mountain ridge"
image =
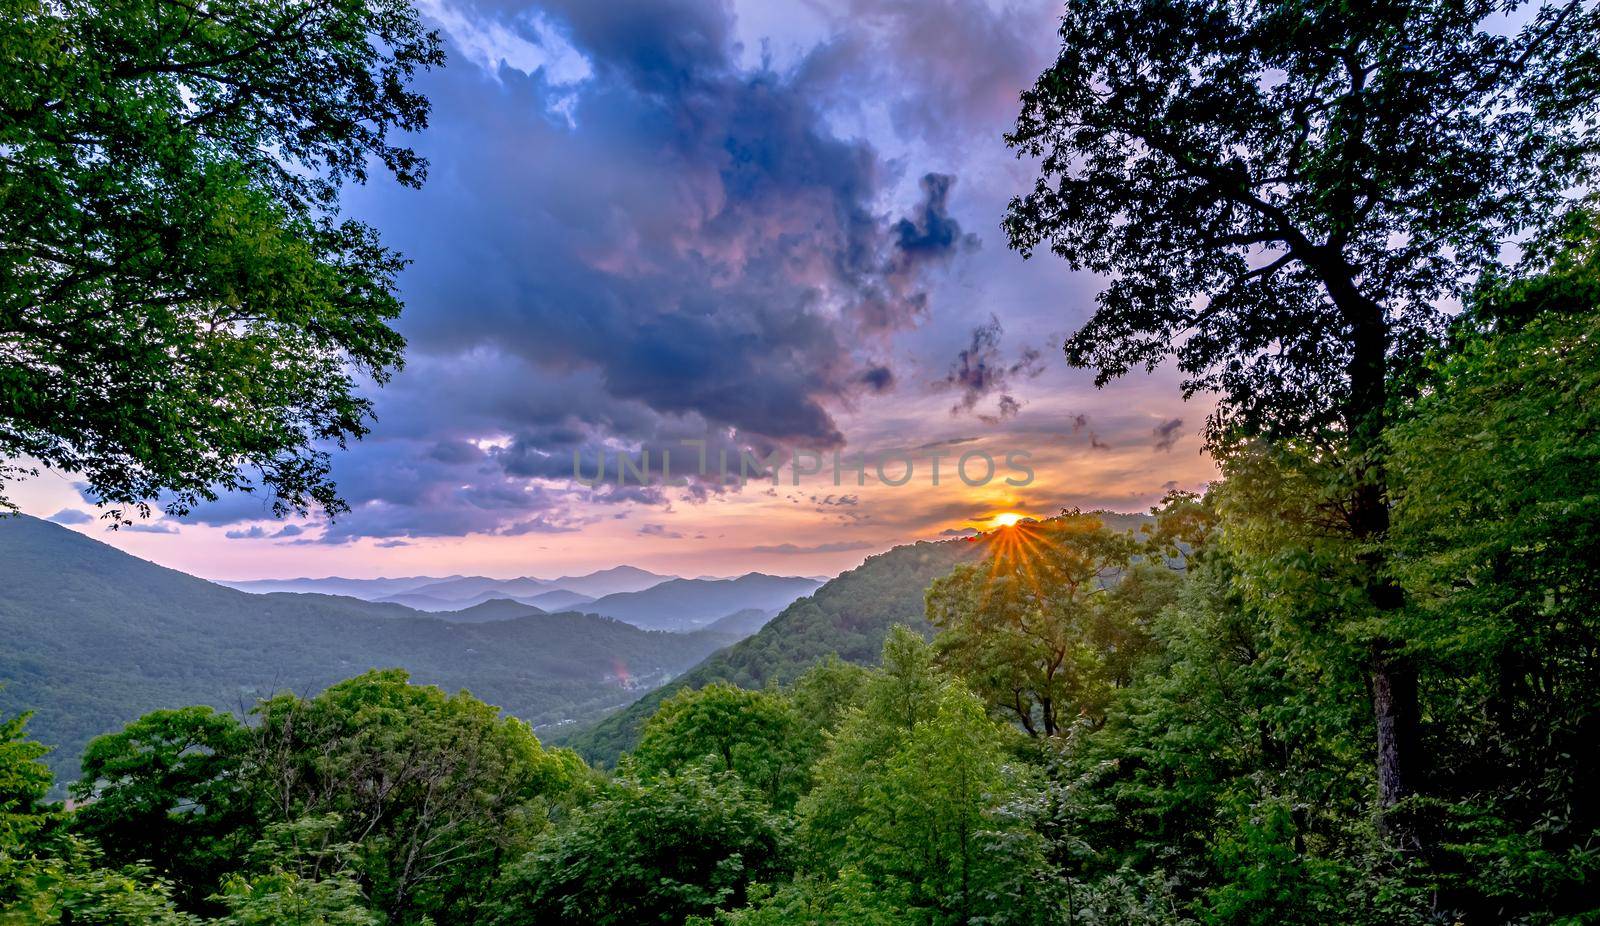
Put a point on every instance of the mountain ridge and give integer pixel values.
(96, 637)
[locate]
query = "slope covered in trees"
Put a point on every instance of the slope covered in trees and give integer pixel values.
(848, 617)
(95, 637)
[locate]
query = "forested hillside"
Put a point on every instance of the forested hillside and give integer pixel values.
(95, 637)
(849, 617)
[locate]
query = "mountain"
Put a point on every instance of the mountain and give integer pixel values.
(685, 604)
(95, 637)
(466, 587)
(558, 600)
(613, 581)
(742, 623)
(370, 589)
(848, 616)
(498, 609)
(420, 602)
(449, 593)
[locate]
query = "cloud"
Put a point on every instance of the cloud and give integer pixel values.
(838, 547)
(960, 532)
(257, 532)
(1167, 433)
(848, 501)
(529, 44)
(948, 72)
(150, 527)
(692, 251)
(71, 516)
(231, 508)
(660, 530)
(979, 370)
(878, 378)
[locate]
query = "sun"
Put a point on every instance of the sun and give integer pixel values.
(1006, 519)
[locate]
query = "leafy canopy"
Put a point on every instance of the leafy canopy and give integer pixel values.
(182, 310)
(1280, 193)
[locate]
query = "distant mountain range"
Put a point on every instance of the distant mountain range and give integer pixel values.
(687, 604)
(453, 590)
(94, 637)
(637, 596)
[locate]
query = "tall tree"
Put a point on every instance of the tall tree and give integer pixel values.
(182, 310)
(1281, 194)
(1043, 629)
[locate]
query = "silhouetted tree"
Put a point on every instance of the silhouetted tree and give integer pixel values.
(182, 311)
(1281, 195)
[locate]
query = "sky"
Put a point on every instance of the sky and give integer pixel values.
(686, 226)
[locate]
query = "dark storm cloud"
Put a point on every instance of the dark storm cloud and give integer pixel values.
(675, 247)
(1167, 434)
(655, 244)
(878, 378)
(931, 233)
(698, 236)
(980, 370)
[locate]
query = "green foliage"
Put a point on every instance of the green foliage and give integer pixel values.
(908, 797)
(299, 878)
(183, 310)
(95, 638)
(24, 782)
(374, 798)
(71, 888)
(1499, 549)
(168, 790)
(1039, 629)
(755, 735)
(461, 789)
(655, 851)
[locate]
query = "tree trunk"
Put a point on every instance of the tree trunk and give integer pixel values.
(1395, 700)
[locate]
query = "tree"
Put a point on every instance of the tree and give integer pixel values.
(907, 798)
(1043, 629)
(24, 783)
(1497, 550)
(1280, 195)
(753, 734)
(300, 877)
(419, 791)
(169, 789)
(431, 788)
(654, 851)
(182, 310)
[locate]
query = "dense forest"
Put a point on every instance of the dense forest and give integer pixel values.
(1158, 726)
(1168, 725)
(1356, 680)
